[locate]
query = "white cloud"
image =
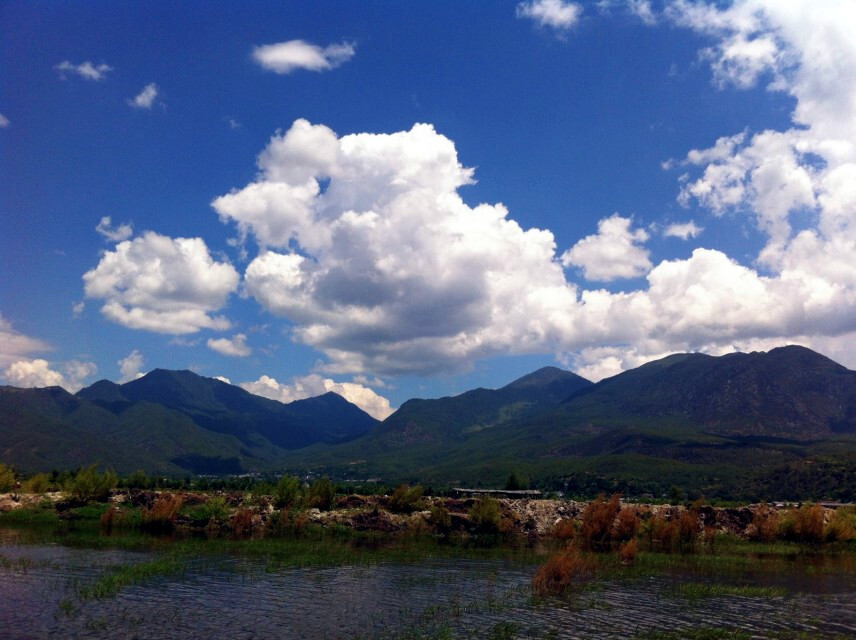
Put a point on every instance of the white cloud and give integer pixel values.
(285, 57)
(314, 385)
(162, 284)
(388, 271)
(131, 366)
(4, 121)
(642, 10)
(615, 252)
(557, 14)
(223, 379)
(78, 307)
(683, 230)
(15, 346)
(145, 99)
(114, 234)
(236, 346)
(85, 70)
(38, 373)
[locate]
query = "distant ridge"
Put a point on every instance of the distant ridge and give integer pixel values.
(167, 421)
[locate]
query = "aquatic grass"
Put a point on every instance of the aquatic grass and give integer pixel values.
(122, 576)
(36, 516)
(701, 590)
(701, 633)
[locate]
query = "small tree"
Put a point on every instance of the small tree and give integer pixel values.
(7, 478)
(321, 494)
(89, 485)
(287, 491)
(485, 515)
(405, 498)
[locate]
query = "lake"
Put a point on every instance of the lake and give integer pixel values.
(92, 586)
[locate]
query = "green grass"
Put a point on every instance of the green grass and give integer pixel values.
(701, 633)
(701, 590)
(31, 517)
(109, 585)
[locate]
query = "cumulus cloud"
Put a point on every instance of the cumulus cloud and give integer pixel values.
(556, 14)
(85, 70)
(234, 346)
(114, 234)
(285, 57)
(4, 121)
(15, 345)
(642, 10)
(162, 284)
(683, 230)
(130, 367)
(615, 252)
(38, 373)
(315, 385)
(395, 272)
(145, 99)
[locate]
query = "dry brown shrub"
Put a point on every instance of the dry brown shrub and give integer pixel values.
(163, 511)
(108, 516)
(627, 525)
(628, 551)
(688, 527)
(598, 518)
(709, 535)
(564, 529)
(242, 522)
(842, 525)
(662, 533)
(765, 524)
(808, 523)
(561, 572)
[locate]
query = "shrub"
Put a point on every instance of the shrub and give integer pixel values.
(765, 524)
(405, 498)
(627, 525)
(242, 522)
(842, 525)
(485, 515)
(661, 532)
(88, 485)
(688, 527)
(287, 492)
(39, 483)
(7, 478)
(214, 509)
(804, 524)
(163, 512)
(628, 551)
(598, 518)
(561, 572)
(565, 529)
(321, 494)
(440, 518)
(108, 517)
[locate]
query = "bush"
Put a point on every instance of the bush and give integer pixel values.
(688, 527)
(405, 499)
(287, 492)
(321, 494)
(842, 525)
(765, 524)
(242, 522)
(627, 525)
(163, 512)
(628, 551)
(565, 529)
(598, 519)
(214, 509)
(7, 478)
(804, 524)
(661, 533)
(88, 485)
(485, 515)
(561, 572)
(39, 483)
(440, 518)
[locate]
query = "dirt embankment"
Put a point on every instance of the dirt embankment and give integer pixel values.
(535, 518)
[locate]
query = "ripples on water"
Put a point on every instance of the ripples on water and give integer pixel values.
(240, 597)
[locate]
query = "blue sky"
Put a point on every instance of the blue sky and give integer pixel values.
(392, 200)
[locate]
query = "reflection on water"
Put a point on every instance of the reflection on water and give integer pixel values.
(247, 597)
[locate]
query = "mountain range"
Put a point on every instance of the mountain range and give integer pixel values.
(722, 425)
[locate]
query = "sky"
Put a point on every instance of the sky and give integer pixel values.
(411, 199)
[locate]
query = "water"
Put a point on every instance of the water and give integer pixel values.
(433, 596)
